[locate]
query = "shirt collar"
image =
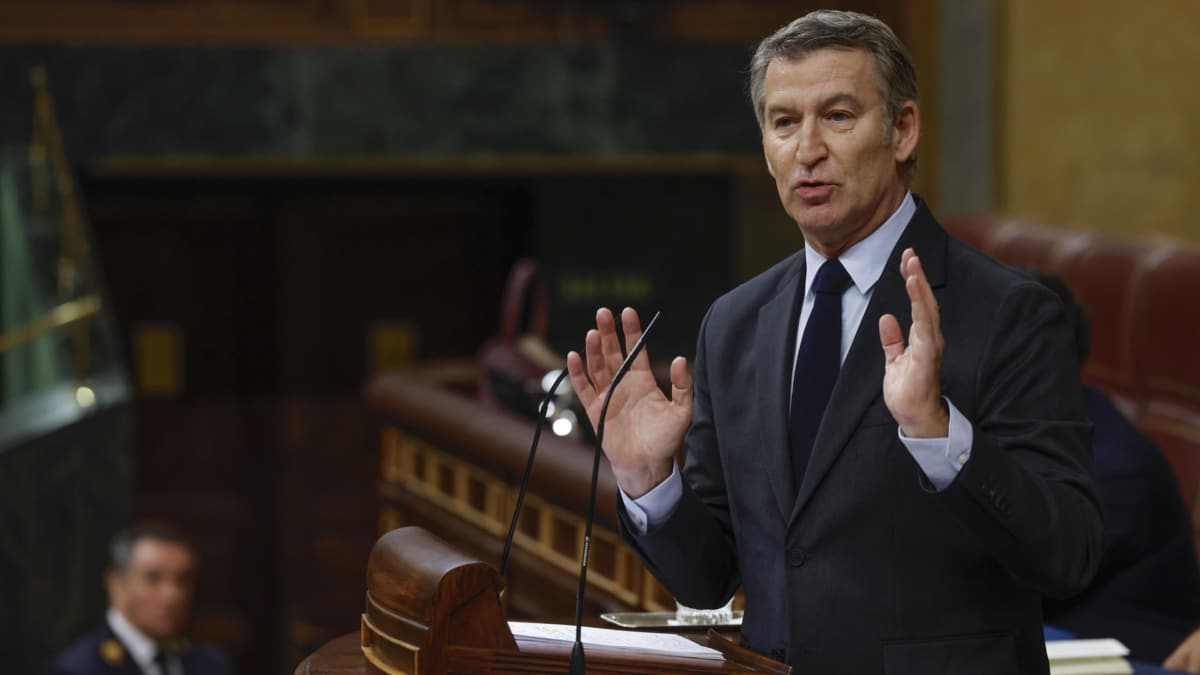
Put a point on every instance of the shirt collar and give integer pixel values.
(141, 648)
(865, 260)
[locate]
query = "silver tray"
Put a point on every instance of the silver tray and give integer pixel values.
(665, 621)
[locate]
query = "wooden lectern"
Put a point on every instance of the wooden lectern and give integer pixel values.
(432, 610)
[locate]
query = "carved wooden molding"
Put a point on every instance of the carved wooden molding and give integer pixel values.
(546, 531)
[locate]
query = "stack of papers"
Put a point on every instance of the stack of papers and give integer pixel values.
(1088, 657)
(657, 644)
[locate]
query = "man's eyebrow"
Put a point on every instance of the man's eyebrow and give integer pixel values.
(848, 100)
(777, 109)
(843, 98)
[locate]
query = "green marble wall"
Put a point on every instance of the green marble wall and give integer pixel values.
(602, 100)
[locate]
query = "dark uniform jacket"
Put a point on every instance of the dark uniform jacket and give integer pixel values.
(102, 653)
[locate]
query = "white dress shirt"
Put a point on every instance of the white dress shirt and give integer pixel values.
(142, 649)
(940, 458)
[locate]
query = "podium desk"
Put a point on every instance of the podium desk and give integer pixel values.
(344, 656)
(431, 610)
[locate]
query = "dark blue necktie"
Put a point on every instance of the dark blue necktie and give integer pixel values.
(817, 364)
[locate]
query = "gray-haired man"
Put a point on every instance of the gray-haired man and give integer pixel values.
(892, 501)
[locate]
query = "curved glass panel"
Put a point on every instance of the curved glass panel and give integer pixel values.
(59, 356)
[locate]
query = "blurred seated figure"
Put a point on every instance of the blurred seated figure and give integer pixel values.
(150, 580)
(1146, 592)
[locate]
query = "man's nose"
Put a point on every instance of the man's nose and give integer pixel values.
(810, 144)
(174, 594)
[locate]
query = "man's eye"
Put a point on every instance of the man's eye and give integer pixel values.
(783, 122)
(839, 116)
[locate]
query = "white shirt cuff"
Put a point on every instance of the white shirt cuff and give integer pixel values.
(942, 458)
(656, 506)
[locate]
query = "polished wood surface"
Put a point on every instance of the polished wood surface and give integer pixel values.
(433, 610)
(343, 656)
(424, 597)
(452, 465)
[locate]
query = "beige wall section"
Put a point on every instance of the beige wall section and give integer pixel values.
(1099, 124)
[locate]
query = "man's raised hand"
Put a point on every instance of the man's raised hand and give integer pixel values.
(644, 428)
(912, 386)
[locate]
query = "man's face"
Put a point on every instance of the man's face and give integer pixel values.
(836, 160)
(155, 592)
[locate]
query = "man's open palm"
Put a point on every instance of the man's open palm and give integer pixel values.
(643, 429)
(911, 382)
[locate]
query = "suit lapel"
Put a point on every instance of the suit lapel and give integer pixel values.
(860, 381)
(774, 348)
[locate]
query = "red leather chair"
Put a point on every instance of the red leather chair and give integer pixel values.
(1145, 341)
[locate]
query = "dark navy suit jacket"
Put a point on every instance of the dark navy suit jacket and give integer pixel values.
(863, 568)
(1147, 590)
(85, 658)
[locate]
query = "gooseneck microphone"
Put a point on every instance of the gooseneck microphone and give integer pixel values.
(537, 435)
(578, 665)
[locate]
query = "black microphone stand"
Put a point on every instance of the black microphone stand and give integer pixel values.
(537, 434)
(578, 664)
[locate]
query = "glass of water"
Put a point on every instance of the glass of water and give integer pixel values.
(703, 617)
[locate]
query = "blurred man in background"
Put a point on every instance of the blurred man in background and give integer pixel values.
(1147, 590)
(150, 582)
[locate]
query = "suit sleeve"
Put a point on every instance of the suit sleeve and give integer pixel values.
(1027, 494)
(693, 551)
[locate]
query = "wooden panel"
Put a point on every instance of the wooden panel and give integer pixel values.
(171, 21)
(390, 18)
(556, 539)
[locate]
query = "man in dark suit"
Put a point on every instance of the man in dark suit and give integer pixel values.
(150, 582)
(890, 503)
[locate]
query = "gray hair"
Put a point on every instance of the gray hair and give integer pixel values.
(120, 547)
(894, 73)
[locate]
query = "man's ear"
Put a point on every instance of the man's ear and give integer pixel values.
(906, 131)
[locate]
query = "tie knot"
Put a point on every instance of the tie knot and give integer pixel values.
(831, 278)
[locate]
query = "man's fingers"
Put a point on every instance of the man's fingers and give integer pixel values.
(890, 338)
(926, 328)
(597, 365)
(610, 344)
(931, 303)
(633, 332)
(579, 382)
(681, 383)
(912, 286)
(1176, 661)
